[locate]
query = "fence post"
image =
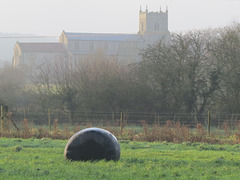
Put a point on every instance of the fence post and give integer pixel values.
(121, 123)
(49, 119)
(219, 120)
(209, 122)
(113, 118)
(155, 118)
(196, 118)
(1, 119)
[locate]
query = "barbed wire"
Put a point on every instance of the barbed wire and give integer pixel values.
(131, 118)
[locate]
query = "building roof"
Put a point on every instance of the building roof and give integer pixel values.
(42, 47)
(103, 37)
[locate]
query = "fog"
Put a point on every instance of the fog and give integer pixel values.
(50, 18)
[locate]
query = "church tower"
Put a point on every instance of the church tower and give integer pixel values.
(153, 25)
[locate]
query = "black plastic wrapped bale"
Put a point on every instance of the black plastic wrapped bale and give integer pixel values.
(92, 144)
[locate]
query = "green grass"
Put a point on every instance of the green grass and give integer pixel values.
(44, 159)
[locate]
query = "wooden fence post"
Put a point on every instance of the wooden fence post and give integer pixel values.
(218, 120)
(1, 119)
(121, 123)
(209, 122)
(196, 118)
(4, 111)
(49, 119)
(113, 118)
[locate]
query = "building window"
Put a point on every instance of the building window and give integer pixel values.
(156, 27)
(91, 46)
(76, 46)
(105, 46)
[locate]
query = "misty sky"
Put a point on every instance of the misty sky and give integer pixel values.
(51, 17)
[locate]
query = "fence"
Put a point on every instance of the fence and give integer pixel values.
(42, 118)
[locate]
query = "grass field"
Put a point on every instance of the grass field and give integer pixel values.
(44, 159)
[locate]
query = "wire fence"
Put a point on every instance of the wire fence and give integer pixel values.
(42, 118)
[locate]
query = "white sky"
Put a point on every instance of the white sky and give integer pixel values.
(51, 17)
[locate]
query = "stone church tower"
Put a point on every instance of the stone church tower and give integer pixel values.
(154, 25)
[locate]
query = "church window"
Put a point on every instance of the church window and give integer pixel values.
(105, 46)
(91, 46)
(156, 27)
(76, 45)
(142, 26)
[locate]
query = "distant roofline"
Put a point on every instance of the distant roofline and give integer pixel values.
(103, 36)
(66, 32)
(38, 42)
(42, 47)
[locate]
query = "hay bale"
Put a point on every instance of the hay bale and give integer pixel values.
(92, 144)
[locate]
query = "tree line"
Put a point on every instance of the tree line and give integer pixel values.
(194, 72)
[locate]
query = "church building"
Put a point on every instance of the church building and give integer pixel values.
(124, 48)
(31, 56)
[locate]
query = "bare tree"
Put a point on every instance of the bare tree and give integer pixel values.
(181, 74)
(55, 86)
(102, 84)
